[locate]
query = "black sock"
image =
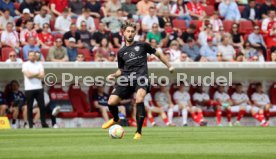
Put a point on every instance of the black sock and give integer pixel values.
(140, 116)
(115, 112)
(13, 121)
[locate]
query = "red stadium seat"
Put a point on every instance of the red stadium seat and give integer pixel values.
(86, 54)
(231, 89)
(272, 93)
(197, 23)
(212, 91)
(96, 22)
(58, 36)
(180, 24)
(211, 2)
(5, 53)
(251, 89)
(241, 8)
(57, 93)
(210, 10)
(44, 52)
(227, 24)
(246, 27)
(91, 92)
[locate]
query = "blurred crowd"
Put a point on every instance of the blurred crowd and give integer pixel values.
(184, 30)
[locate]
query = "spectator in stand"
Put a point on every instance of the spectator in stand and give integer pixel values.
(13, 58)
(72, 51)
(140, 35)
(143, 7)
(9, 38)
(8, 4)
(27, 4)
(100, 34)
(203, 35)
(162, 7)
(103, 51)
(179, 11)
(261, 101)
(237, 38)
(170, 34)
(192, 50)
(268, 21)
(273, 54)
(154, 34)
(266, 7)
(39, 4)
(189, 33)
(86, 36)
(196, 9)
(271, 38)
(174, 51)
(80, 57)
(42, 18)
(129, 8)
(229, 10)
(86, 18)
(3, 104)
(240, 57)
(27, 33)
(45, 38)
(251, 11)
(76, 7)
(5, 19)
(149, 19)
(73, 33)
(63, 22)
(216, 22)
(111, 7)
(95, 8)
(219, 35)
(58, 53)
(249, 51)
(226, 49)
(115, 21)
(209, 51)
(58, 6)
(22, 21)
(30, 46)
(184, 58)
(165, 18)
(153, 44)
(256, 40)
(111, 57)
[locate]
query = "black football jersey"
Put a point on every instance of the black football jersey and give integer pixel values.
(133, 59)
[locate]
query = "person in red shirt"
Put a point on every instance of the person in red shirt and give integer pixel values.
(271, 38)
(45, 38)
(27, 33)
(196, 9)
(57, 6)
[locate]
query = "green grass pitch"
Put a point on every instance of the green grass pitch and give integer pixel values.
(157, 143)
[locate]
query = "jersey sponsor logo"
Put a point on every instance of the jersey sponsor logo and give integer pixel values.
(137, 48)
(132, 54)
(125, 53)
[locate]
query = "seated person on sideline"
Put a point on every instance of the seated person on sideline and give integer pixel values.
(3, 105)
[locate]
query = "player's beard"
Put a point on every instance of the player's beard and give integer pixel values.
(129, 40)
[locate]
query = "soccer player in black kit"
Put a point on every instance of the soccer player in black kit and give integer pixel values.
(132, 59)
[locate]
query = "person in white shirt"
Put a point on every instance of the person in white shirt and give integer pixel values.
(150, 19)
(224, 99)
(163, 100)
(241, 103)
(151, 108)
(9, 37)
(63, 22)
(228, 52)
(13, 58)
(183, 100)
(5, 19)
(42, 18)
(85, 17)
(33, 72)
(261, 103)
(202, 100)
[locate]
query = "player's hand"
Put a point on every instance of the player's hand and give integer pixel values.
(111, 77)
(171, 69)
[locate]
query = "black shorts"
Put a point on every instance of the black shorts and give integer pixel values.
(125, 92)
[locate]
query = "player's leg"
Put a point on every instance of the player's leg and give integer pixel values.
(3, 109)
(141, 111)
(229, 115)
(218, 114)
(113, 102)
(161, 112)
(258, 114)
(267, 112)
(36, 113)
(15, 113)
(200, 116)
(24, 115)
(184, 112)
(104, 114)
(150, 117)
(241, 111)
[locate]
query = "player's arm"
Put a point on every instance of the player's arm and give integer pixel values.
(165, 61)
(255, 102)
(121, 65)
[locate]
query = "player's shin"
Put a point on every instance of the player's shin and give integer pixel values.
(115, 112)
(241, 114)
(184, 115)
(140, 116)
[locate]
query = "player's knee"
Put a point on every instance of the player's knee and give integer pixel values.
(261, 111)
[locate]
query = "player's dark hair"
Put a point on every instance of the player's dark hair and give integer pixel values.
(259, 84)
(129, 24)
(238, 84)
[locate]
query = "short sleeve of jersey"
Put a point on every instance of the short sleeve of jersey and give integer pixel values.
(149, 49)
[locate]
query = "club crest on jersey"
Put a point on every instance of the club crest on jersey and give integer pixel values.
(132, 54)
(137, 48)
